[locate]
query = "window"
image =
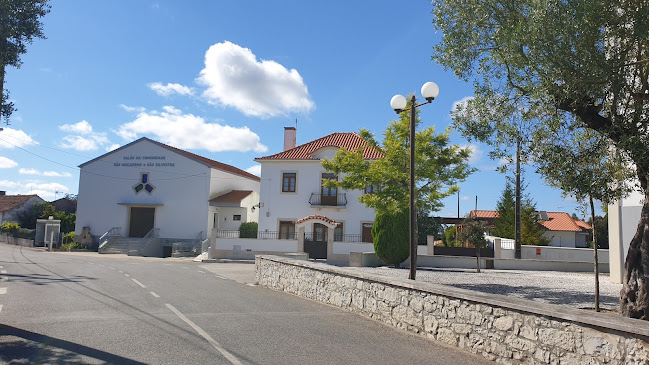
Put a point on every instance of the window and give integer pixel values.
(236, 217)
(288, 182)
(338, 232)
(286, 230)
(369, 189)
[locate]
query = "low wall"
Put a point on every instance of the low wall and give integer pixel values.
(500, 328)
(462, 251)
(547, 265)
(564, 254)
(16, 241)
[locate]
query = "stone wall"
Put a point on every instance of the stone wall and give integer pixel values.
(502, 329)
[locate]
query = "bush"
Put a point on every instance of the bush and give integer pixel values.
(68, 238)
(9, 228)
(248, 230)
(391, 237)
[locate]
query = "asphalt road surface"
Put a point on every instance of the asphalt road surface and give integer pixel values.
(94, 309)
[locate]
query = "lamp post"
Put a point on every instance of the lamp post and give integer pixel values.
(429, 91)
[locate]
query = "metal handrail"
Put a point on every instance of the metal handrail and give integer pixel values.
(109, 237)
(148, 238)
(316, 200)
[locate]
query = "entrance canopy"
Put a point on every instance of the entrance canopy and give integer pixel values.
(325, 221)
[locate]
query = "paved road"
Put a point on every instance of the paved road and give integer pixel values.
(87, 308)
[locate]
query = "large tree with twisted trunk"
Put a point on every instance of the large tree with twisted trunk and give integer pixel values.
(581, 63)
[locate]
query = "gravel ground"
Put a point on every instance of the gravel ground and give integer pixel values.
(565, 288)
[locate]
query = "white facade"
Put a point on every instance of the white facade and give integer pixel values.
(623, 219)
(181, 186)
(566, 238)
(280, 206)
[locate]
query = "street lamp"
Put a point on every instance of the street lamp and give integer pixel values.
(429, 91)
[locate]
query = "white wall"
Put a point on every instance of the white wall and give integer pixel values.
(561, 238)
(12, 214)
(183, 188)
(293, 206)
(563, 254)
(623, 218)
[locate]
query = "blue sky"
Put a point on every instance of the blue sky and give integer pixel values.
(222, 79)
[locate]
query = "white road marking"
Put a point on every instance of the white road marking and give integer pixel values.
(127, 274)
(2, 267)
(0, 307)
(3, 290)
(112, 268)
(154, 294)
(206, 336)
(221, 277)
(3, 278)
(202, 272)
(3, 271)
(138, 283)
(184, 267)
(251, 284)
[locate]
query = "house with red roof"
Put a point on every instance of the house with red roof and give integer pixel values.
(147, 188)
(12, 205)
(560, 228)
(292, 187)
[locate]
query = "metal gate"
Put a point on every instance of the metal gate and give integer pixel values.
(315, 243)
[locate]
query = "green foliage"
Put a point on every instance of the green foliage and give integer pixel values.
(428, 226)
(391, 236)
(19, 25)
(45, 210)
(439, 166)
(248, 230)
(473, 233)
(601, 231)
(505, 224)
(9, 228)
(449, 236)
(68, 237)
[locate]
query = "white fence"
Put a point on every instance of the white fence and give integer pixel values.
(547, 253)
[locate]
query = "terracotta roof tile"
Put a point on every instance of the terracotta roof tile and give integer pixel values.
(484, 213)
(583, 225)
(559, 221)
(7, 202)
(234, 196)
(315, 216)
(347, 141)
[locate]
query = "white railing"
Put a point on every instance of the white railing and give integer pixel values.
(147, 239)
(505, 243)
(109, 237)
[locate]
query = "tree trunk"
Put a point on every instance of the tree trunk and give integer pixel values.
(634, 296)
(592, 215)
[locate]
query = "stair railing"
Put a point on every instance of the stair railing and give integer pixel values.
(152, 236)
(109, 237)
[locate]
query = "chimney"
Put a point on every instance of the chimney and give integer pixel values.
(2, 193)
(289, 138)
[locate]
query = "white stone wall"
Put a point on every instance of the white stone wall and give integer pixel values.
(502, 329)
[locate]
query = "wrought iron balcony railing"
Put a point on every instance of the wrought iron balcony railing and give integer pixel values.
(339, 200)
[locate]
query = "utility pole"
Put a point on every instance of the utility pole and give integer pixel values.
(517, 245)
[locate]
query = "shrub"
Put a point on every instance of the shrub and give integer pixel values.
(9, 228)
(68, 237)
(248, 230)
(391, 237)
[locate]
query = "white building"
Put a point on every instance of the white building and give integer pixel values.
(292, 189)
(623, 219)
(147, 187)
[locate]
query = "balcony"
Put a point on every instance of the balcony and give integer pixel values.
(319, 200)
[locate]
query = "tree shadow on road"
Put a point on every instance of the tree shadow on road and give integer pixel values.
(26, 347)
(44, 279)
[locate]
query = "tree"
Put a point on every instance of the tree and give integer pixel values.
(504, 225)
(575, 63)
(473, 232)
(600, 227)
(19, 25)
(391, 232)
(449, 236)
(428, 226)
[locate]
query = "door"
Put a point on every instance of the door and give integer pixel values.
(367, 233)
(329, 196)
(315, 244)
(141, 221)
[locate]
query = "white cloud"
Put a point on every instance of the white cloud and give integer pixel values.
(43, 189)
(6, 163)
(169, 89)
(132, 109)
(460, 102)
(112, 147)
(180, 130)
(29, 172)
(255, 170)
(24, 171)
(10, 138)
(235, 78)
(83, 127)
(466, 198)
(476, 153)
(82, 137)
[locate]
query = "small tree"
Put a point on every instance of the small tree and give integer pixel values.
(248, 230)
(473, 232)
(390, 232)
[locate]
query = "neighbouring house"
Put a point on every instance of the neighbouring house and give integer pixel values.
(623, 219)
(67, 204)
(297, 213)
(147, 196)
(560, 228)
(12, 205)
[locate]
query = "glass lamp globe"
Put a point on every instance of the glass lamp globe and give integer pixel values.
(398, 103)
(429, 91)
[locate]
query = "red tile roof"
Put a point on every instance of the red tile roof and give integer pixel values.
(234, 196)
(557, 221)
(348, 141)
(8, 202)
(484, 213)
(315, 216)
